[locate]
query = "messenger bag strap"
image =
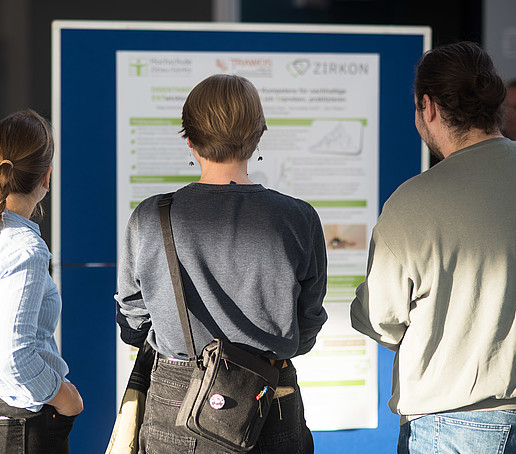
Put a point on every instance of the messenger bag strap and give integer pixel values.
(175, 273)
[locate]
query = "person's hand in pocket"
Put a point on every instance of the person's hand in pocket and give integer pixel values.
(67, 401)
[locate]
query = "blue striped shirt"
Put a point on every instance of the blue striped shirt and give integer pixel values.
(31, 368)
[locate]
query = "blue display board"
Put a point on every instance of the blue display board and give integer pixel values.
(84, 185)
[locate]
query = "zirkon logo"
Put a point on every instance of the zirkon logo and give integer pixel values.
(323, 68)
(138, 67)
(298, 67)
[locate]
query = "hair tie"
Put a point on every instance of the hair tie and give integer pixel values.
(6, 161)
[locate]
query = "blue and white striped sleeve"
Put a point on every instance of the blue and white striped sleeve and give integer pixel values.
(23, 285)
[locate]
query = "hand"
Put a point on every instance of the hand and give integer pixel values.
(67, 401)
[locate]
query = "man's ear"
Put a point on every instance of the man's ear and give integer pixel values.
(430, 110)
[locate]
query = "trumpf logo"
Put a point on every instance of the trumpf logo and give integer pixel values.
(222, 65)
(246, 66)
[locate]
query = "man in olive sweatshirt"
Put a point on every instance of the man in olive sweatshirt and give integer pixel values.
(441, 278)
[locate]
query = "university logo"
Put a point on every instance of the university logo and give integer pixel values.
(138, 67)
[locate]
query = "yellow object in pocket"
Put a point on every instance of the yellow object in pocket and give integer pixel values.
(282, 391)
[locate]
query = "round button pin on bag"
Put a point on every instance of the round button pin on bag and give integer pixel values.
(217, 401)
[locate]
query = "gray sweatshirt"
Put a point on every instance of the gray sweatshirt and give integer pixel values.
(253, 264)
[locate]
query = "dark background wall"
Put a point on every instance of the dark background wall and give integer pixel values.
(451, 20)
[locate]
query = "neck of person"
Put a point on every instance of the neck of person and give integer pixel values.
(22, 204)
(25, 204)
(223, 172)
(473, 136)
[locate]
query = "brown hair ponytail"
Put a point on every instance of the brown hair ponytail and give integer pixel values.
(6, 170)
(26, 152)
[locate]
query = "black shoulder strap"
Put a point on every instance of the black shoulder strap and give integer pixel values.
(175, 273)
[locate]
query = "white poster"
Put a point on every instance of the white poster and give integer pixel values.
(321, 145)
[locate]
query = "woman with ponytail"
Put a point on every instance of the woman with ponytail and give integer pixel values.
(37, 403)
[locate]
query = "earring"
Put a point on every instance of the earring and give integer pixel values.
(259, 155)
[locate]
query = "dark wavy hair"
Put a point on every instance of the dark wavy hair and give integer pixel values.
(462, 80)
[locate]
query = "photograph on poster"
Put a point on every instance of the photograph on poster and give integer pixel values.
(345, 236)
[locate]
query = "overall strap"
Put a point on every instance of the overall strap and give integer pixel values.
(175, 273)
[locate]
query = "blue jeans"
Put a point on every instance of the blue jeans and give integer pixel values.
(169, 382)
(471, 432)
(26, 432)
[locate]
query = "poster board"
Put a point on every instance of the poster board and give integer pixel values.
(86, 194)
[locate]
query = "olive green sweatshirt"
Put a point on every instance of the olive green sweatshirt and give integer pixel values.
(441, 284)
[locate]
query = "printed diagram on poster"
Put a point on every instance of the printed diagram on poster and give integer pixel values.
(321, 145)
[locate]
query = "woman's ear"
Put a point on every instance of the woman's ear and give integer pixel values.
(46, 179)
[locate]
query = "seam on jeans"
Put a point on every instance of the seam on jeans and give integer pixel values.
(475, 424)
(503, 442)
(177, 363)
(163, 400)
(14, 422)
(149, 410)
(503, 429)
(188, 442)
(171, 383)
(437, 431)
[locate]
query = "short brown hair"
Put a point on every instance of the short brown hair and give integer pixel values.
(462, 80)
(223, 118)
(26, 150)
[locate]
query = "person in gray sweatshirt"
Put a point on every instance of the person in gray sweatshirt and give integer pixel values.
(253, 264)
(441, 286)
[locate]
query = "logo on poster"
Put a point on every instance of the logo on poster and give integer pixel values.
(247, 67)
(298, 67)
(170, 66)
(138, 67)
(303, 66)
(222, 65)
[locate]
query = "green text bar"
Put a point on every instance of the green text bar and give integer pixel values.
(345, 281)
(307, 121)
(147, 179)
(155, 122)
